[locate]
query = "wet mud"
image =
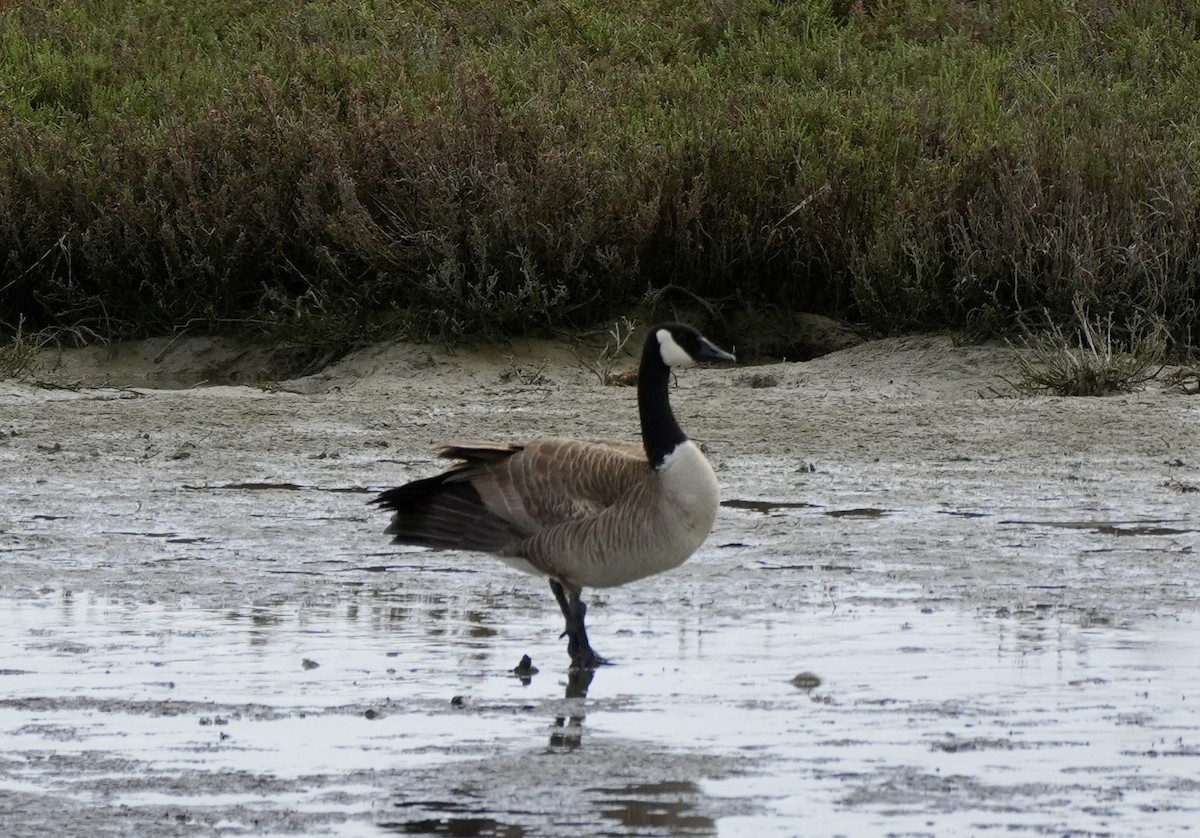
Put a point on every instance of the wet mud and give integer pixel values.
(924, 610)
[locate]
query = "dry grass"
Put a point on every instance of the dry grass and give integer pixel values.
(1086, 358)
(1186, 379)
(604, 362)
(19, 355)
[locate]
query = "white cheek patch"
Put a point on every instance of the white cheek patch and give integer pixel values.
(673, 355)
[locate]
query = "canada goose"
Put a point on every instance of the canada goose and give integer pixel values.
(587, 513)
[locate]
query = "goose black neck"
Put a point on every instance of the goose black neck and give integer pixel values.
(660, 432)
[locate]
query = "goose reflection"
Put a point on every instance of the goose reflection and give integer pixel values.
(567, 734)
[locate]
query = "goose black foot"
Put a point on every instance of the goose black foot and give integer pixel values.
(574, 609)
(583, 656)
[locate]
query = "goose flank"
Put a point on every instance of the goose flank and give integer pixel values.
(586, 513)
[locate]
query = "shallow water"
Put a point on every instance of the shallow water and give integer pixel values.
(925, 719)
(935, 616)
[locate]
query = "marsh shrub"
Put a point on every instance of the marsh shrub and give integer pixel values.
(466, 168)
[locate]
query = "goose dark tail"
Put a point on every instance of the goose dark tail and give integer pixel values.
(445, 515)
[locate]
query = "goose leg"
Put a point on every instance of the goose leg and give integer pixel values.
(563, 603)
(574, 610)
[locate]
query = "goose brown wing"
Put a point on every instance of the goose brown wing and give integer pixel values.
(551, 481)
(501, 493)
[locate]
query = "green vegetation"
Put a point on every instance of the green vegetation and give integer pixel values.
(452, 168)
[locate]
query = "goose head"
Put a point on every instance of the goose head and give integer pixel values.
(679, 345)
(668, 345)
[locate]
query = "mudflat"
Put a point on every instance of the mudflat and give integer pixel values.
(929, 605)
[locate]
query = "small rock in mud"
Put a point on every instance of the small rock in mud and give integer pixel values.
(525, 670)
(806, 681)
(624, 378)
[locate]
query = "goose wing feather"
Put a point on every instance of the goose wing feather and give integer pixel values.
(553, 481)
(445, 515)
(499, 494)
